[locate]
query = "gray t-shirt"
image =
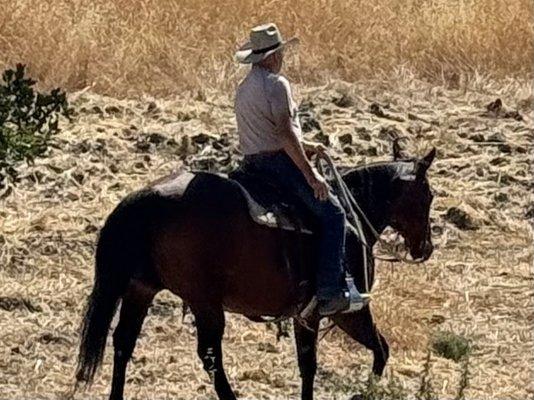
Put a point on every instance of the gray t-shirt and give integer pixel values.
(262, 101)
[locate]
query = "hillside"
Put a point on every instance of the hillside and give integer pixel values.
(477, 284)
(164, 47)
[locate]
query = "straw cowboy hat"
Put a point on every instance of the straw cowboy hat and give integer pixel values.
(264, 41)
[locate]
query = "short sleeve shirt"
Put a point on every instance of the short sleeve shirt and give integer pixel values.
(263, 101)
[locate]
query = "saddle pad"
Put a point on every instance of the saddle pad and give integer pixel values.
(174, 184)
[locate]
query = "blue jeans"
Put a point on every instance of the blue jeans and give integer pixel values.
(279, 169)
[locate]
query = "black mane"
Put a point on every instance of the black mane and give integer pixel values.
(371, 186)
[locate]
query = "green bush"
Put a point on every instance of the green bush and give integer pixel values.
(28, 121)
(451, 346)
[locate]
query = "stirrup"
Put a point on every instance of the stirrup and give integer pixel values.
(357, 300)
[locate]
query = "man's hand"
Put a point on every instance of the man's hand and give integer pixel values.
(319, 186)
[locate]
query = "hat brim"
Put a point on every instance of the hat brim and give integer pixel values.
(245, 55)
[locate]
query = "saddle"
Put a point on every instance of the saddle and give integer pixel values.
(270, 206)
(266, 203)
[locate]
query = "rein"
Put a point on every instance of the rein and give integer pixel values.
(352, 210)
(350, 204)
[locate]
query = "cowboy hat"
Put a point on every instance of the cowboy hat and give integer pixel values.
(264, 41)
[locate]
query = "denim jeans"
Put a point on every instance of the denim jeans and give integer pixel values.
(279, 169)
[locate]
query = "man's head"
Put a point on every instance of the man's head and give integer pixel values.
(265, 47)
(274, 62)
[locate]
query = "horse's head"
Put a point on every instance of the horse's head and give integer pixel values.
(410, 202)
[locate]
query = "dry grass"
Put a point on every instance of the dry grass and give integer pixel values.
(165, 46)
(478, 284)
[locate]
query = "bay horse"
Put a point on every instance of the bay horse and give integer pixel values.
(203, 246)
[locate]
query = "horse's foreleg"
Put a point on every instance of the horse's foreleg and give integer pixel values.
(306, 341)
(210, 330)
(360, 327)
(134, 308)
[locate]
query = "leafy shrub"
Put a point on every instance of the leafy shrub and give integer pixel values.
(451, 346)
(28, 120)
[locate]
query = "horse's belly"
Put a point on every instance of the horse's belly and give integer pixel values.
(263, 294)
(260, 283)
(254, 282)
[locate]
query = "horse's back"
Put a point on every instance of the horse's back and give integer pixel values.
(205, 190)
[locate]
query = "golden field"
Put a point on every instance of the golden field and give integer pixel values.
(477, 284)
(120, 47)
(150, 79)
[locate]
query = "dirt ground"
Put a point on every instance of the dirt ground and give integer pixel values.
(478, 283)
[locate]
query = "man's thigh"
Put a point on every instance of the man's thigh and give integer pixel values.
(290, 178)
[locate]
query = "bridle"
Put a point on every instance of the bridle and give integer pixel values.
(355, 215)
(352, 210)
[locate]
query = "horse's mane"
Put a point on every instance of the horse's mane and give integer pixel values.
(371, 184)
(395, 169)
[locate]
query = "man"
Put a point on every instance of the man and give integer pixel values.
(271, 139)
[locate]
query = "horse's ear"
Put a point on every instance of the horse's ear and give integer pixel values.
(430, 157)
(426, 161)
(397, 152)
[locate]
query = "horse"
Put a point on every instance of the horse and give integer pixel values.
(202, 245)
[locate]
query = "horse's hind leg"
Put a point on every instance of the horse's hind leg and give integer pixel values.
(210, 330)
(360, 327)
(306, 340)
(134, 307)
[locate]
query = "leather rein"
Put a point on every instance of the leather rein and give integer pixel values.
(352, 210)
(355, 213)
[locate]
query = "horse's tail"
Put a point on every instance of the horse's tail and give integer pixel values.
(122, 249)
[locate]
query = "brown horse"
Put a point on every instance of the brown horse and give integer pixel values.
(203, 246)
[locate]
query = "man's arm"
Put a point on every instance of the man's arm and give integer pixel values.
(295, 151)
(281, 109)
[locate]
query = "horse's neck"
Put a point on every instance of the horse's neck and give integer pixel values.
(371, 188)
